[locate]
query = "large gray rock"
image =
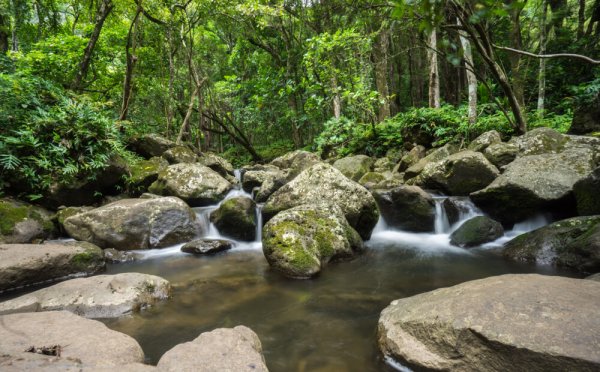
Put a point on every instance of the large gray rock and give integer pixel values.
(255, 175)
(27, 264)
(217, 163)
(295, 162)
(485, 140)
(502, 323)
(459, 174)
(150, 145)
(476, 231)
(322, 183)
(224, 349)
(135, 224)
(87, 344)
(236, 218)
(587, 194)
(102, 296)
(574, 243)
(144, 173)
(586, 117)
(435, 156)
(21, 222)
(407, 208)
(540, 141)
(532, 183)
(207, 246)
(501, 154)
(354, 167)
(300, 241)
(411, 158)
(180, 154)
(196, 184)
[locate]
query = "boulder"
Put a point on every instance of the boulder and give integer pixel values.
(502, 323)
(383, 165)
(86, 343)
(150, 145)
(371, 179)
(300, 241)
(323, 183)
(254, 176)
(21, 222)
(435, 156)
(112, 255)
(207, 246)
(411, 158)
(459, 174)
(236, 218)
(102, 296)
(573, 243)
(269, 186)
(536, 182)
(144, 172)
(354, 167)
(135, 224)
(587, 194)
(485, 140)
(224, 349)
(540, 141)
(586, 117)
(28, 264)
(216, 163)
(180, 154)
(407, 208)
(501, 154)
(476, 231)
(456, 207)
(196, 184)
(295, 162)
(595, 277)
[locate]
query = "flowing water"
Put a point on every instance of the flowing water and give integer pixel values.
(325, 324)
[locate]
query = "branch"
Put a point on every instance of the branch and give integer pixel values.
(148, 15)
(557, 55)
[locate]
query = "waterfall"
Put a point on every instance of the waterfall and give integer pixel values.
(441, 224)
(208, 228)
(259, 222)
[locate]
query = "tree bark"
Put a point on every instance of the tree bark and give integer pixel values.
(542, 71)
(471, 78)
(380, 57)
(518, 80)
(131, 62)
(581, 19)
(434, 76)
(337, 99)
(4, 34)
(106, 6)
(188, 115)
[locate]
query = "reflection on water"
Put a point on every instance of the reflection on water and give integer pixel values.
(325, 324)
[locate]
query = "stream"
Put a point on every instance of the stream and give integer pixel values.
(325, 324)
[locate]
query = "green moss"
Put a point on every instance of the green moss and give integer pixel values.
(10, 215)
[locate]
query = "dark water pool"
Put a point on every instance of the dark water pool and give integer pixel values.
(325, 324)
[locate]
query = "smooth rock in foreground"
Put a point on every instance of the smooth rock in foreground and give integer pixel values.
(528, 322)
(207, 246)
(236, 218)
(27, 264)
(102, 296)
(135, 224)
(476, 231)
(224, 349)
(83, 341)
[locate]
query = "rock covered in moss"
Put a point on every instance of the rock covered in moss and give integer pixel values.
(101, 296)
(150, 145)
(322, 183)
(501, 154)
(300, 241)
(587, 194)
(255, 175)
(574, 243)
(217, 163)
(407, 208)
(295, 162)
(269, 186)
(236, 218)
(196, 184)
(207, 246)
(135, 224)
(144, 172)
(435, 156)
(383, 165)
(370, 179)
(536, 182)
(459, 174)
(485, 140)
(27, 264)
(180, 154)
(476, 231)
(21, 222)
(540, 141)
(501, 323)
(354, 167)
(411, 158)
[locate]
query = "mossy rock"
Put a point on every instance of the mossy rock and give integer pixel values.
(144, 173)
(371, 178)
(435, 156)
(354, 167)
(21, 222)
(501, 154)
(587, 194)
(300, 241)
(485, 140)
(573, 243)
(150, 145)
(180, 154)
(64, 213)
(476, 231)
(407, 207)
(540, 141)
(236, 218)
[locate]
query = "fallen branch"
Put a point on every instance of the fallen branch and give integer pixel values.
(557, 55)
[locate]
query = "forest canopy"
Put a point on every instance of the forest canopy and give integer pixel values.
(253, 79)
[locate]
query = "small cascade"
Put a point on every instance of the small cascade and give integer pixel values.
(441, 223)
(237, 173)
(208, 228)
(381, 226)
(259, 222)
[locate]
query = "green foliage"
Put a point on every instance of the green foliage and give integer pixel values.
(49, 137)
(561, 123)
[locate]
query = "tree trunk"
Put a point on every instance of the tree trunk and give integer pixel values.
(103, 11)
(380, 57)
(471, 78)
(542, 71)
(518, 80)
(581, 19)
(4, 34)
(170, 97)
(434, 77)
(131, 62)
(188, 115)
(337, 99)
